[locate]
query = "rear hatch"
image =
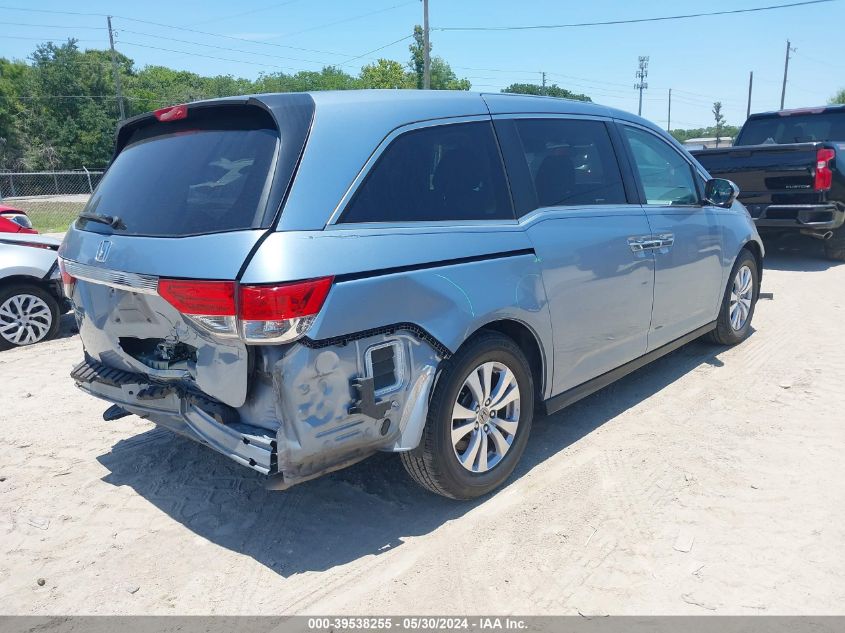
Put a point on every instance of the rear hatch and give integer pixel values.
(190, 193)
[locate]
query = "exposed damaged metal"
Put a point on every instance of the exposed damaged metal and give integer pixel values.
(386, 330)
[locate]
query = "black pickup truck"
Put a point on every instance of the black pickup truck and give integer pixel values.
(790, 169)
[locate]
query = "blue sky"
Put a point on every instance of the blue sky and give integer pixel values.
(703, 59)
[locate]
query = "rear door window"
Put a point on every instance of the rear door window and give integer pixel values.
(443, 172)
(205, 174)
(562, 162)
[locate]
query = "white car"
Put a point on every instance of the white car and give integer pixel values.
(31, 297)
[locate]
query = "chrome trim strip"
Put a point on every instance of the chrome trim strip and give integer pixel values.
(133, 282)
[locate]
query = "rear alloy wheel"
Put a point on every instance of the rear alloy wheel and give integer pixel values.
(485, 417)
(28, 314)
(479, 418)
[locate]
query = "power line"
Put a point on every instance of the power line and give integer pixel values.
(44, 38)
(180, 28)
(230, 37)
(222, 48)
(349, 19)
(243, 13)
(375, 50)
(54, 26)
(818, 61)
(631, 20)
(224, 59)
(53, 11)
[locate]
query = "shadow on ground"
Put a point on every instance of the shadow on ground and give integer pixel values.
(364, 510)
(796, 253)
(67, 326)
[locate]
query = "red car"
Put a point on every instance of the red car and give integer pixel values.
(14, 221)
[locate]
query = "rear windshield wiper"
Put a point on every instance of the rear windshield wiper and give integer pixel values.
(111, 220)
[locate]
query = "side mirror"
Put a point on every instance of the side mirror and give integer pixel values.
(720, 192)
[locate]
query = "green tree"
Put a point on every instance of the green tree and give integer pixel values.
(839, 97)
(552, 90)
(704, 132)
(720, 120)
(442, 75)
(385, 73)
(71, 113)
(13, 78)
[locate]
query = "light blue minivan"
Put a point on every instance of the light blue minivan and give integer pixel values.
(300, 280)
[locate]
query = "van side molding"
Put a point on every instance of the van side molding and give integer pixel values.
(571, 396)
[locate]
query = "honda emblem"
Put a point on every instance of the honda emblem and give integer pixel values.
(102, 251)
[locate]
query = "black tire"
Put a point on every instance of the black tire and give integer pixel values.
(28, 289)
(834, 248)
(434, 463)
(725, 334)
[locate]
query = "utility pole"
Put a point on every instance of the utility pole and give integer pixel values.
(750, 85)
(669, 116)
(543, 90)
(641, 85)
(789, 50)
(426, 48)
(117, 88)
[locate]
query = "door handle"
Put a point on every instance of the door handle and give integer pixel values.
(641, 243)
(665, 240)
(651, 242)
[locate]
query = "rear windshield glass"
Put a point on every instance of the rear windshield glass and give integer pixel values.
(204, 174)
(795, 128)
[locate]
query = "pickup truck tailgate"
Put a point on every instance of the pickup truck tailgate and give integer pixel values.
(767, 174)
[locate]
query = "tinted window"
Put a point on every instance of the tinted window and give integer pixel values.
(795, 128)
(570, 162)
(665, 175)
(202, 175)
(447, 172)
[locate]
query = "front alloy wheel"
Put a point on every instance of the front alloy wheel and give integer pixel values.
(733, 323)
(742, 294)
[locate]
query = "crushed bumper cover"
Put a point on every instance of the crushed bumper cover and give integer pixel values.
(196, 415)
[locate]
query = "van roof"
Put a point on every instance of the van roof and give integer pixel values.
(443, 102)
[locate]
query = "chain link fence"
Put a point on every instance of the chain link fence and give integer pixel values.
(51, 199)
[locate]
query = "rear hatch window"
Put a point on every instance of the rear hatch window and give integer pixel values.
(208, 173)
(794, 128)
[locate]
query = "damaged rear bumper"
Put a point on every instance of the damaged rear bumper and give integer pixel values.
(204, 420)
(311, 409)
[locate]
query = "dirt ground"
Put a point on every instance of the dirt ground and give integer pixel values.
(708, 482)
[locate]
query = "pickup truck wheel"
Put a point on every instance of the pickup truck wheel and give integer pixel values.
(734, 322)
(28, 314)
(479, 418)
(834, 248)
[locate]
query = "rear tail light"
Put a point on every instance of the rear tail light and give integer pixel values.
(283, 312)
(67, 279)
(824, 175)
(277, 313)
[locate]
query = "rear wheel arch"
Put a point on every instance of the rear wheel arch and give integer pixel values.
(528, 341)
